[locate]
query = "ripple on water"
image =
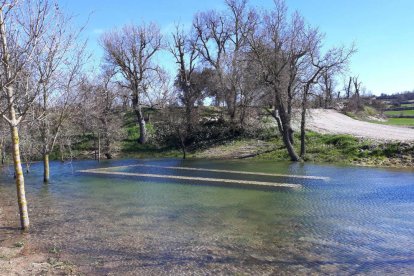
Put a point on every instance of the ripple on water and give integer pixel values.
(358, 222)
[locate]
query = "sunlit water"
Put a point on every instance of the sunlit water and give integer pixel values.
(361, 221)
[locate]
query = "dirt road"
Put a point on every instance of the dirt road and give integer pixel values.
(333, 122)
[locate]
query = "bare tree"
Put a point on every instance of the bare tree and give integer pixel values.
(270, 43)
(286, 52)
(333, 61)
(353, 89)
(185, 53)
(131, 51)
(348, 88)
(222, 44)
(212, 37)
(327, 86)
(239, 23)
(59, 72)
(22, 25)
(357, 90)
(99, 104)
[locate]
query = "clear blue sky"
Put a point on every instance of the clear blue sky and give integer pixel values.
(383, 30)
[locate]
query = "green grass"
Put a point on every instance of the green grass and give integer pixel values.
(370, 111)
(321, 148)
(342, 149)
(131, 148)
(400, 112)
(400, 121)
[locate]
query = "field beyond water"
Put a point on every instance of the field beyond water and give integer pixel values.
(353, 221)
(400, 121)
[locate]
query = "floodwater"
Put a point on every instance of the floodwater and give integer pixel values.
(360, 221)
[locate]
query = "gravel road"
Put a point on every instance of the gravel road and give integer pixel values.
(333, 122)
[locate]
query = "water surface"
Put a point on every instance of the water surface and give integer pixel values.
(361, 221)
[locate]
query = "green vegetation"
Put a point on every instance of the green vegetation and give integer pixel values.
(400, 121)
(365, 113)
(370, 111)
(18, 244)
(345, 149)
(131, 148)
(400, 112)
(263, 143)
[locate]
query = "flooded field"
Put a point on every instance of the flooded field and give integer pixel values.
(333, 220)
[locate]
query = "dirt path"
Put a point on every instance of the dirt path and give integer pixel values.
(333, 122)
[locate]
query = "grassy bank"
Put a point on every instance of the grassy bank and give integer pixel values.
(262, 143)
(321, 148)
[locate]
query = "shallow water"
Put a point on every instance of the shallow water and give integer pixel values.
(361, 221)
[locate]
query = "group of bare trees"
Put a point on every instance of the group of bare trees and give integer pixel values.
(242, 61)
(41, 62)
(239, 59)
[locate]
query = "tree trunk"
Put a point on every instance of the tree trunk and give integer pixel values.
(189, 116)
(291, 151)
(107, 145)
(303, 133)
(141, 123)
(303, 122)
(289, 146)
(287, 133)
(284, 130)
(231, 109)
(289, 113)
(45, 133)
(292, 141)
(184, 152)
(21, 195)
(182, 138)
(62, 155)
(3, 151)
(46, 171)
(99, 147)
(348, 90)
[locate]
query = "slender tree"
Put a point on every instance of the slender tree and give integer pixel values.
(333, 61)
(185, 53)
(59, 70)
(22, 25)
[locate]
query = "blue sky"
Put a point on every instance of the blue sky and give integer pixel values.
(383, 30)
